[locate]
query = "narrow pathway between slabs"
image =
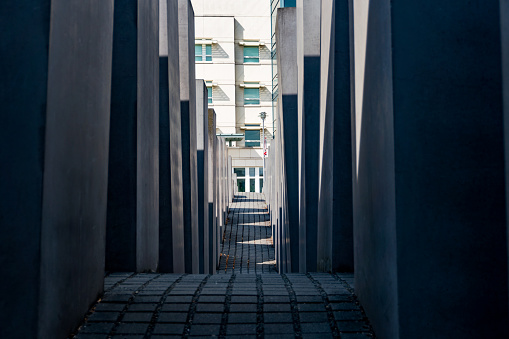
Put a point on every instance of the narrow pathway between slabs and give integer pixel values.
(232, 305)
(247, 241)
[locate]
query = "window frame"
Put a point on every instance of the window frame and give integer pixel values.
(249, 57)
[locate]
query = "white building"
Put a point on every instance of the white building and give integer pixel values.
(233, 57)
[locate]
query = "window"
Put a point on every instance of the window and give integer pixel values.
(251, 54)
(203, 52)
(252, 185)
(252, 171)
(260, 169)
(241, 172)
(252, 139)
(251, 96)
(209, 90)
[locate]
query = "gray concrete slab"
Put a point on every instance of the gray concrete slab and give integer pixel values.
(133, 180)
(212, 191)
(429, 169)
(335, 218)
(202, 147)
(188, 134)
(171, 224)
(286, 36)
(53, 203)
(308, 55)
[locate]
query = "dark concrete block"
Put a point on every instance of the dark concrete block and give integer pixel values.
(335, 215)
(308, 55)
(171, 222)
(202, 141)
(133, 180)
(188, 135)
(212, 192)
(54, 131)
(429, 169)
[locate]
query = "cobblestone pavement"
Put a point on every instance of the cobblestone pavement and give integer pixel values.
(247, 242)
(261, 304)
(313, 305)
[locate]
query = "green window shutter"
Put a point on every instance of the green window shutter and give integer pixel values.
(251, 54)
(251, 96)
(198, 53)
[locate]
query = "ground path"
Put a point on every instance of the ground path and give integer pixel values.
(246, 299)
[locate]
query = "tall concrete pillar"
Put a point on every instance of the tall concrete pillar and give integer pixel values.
(308, 59)
(133, 173)
(335, 215)
(188, 123)
(286, 37)
(504, 25)
(202, 146)
(55, 94)
(171, 218)
(429, 204)
(212, 183)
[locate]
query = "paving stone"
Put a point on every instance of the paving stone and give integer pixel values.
(103, 316)
(175, 308)
(97, 328)
(102, 307)
(127, 336)
(147, 299)
(240, 318)
(210, 308)
(244, 308)
(205, 330)
(172, 317)
(137, 317)
(240, 329)
(276, 308)
(279, 336)
(309, 299)
(178, 299)
(91, 336)
(277, 318)
(340, 298)
(278, 328)
(355, 335)
(142, 307)
(318, 336)
(207, 318)
(169, 329)
(212, 298)
(244, 299)
(116, 298)
(313, 317)
(311, 307)
(315, 327)
(276, 299)
(132, 328)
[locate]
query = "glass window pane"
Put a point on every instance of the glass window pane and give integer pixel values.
(252, 171)
(253, 135)
(252, 144)
(252, 185)
(208, 50)
(197, 50)
(209, 94)
(251, 60)
(251, 96)
(251, 51)
(260, 172)
(241, 185)
(261, 185)
(197, 58)
(241, 172)
(208, 58)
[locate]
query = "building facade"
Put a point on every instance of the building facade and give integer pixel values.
(233, 56)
